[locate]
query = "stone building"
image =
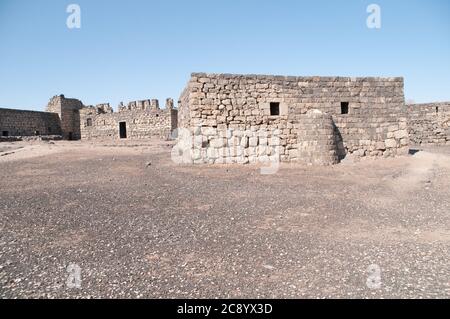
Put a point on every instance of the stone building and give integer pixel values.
(226, 118)
(429, 124)
(257, 118)
(70, 119)
(140, 119)
(69, 114)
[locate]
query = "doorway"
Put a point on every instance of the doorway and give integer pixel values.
(123, 129)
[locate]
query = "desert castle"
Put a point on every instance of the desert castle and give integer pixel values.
(226, 118)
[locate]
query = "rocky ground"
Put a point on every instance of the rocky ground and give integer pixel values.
(136, 225)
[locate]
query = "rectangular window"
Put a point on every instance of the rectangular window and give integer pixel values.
(274, 108)
(344, 107)
(5, 133)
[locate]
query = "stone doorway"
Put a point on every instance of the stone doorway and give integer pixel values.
(123, 129)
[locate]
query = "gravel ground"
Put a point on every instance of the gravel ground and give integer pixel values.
(139, 226)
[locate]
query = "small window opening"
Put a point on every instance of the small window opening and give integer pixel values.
(274, 108)
(344, 107)
(5, 133)
(437, 109)
(37, 133)
(89, 122)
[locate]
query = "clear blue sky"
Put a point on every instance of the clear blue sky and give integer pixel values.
(128, 50)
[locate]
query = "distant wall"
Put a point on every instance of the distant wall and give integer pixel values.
(429, 123)
(28, 123)
(141, 121)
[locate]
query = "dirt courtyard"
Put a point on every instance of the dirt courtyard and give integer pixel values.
(136, 225)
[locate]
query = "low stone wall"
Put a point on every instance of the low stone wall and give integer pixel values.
(429, 124)
(22, 123)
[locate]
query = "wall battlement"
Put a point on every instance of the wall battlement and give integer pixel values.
(139, 119)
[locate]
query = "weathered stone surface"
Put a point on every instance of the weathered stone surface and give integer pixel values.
(28, 123)
(141, 119)
(272, 111)
(390, 143)
(429, 123)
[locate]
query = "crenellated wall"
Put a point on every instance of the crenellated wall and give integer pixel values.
(429, 124)
(140, 119)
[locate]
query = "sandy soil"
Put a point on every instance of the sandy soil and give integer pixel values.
(138, 225)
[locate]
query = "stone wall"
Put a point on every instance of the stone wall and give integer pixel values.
(28, 123)
(237, 106)
(68, 111)
(141, 119)
(184, 108)
(429, 123)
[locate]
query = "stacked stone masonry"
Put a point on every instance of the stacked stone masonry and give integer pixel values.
(20, 123)
(69, 114)
(264, 115)
(429, 124)
(316, 140)
(226, 118)
(70, 119)
(139, 120)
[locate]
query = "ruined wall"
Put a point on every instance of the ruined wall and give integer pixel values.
(376, 123)
(142, 120)
(184, 108)
(68, 111)
(429, 123)
(28, 123)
